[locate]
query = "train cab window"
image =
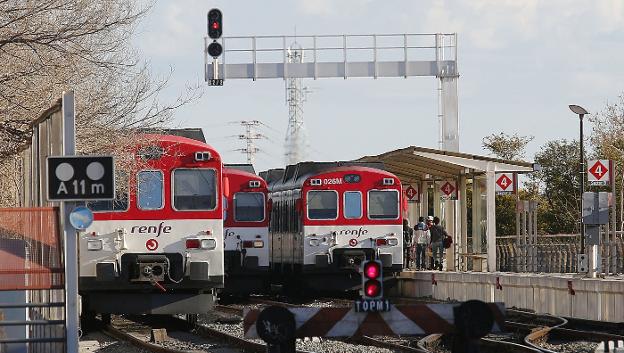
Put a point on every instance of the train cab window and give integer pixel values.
(150, 190)
(383, 204)
(322, 204)
(194, 189)
(352, 204)
(249, 207)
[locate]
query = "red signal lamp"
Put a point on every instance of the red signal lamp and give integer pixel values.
(372, 270)
(372, 288)
(372, 285)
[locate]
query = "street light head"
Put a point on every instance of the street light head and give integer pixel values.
(577, 109)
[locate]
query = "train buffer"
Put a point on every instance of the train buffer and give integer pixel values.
(472, 319)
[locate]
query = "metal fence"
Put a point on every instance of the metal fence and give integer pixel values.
(31, 280)
(555, 254)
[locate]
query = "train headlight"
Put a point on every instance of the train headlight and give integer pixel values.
(208, 244)
(94, 245)
(393, 241)
(314, 242)
(258, 244)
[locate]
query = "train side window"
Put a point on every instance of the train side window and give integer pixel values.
(249, 207)
(352, 204)
(383, 204)
(150, 190)
(322, 204)
(194, 189)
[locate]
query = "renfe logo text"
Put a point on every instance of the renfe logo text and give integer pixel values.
(158, 230)
(356, 232)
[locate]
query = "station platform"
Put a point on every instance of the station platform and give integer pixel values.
(568, 295)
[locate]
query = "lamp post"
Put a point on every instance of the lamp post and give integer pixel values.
(577, 109)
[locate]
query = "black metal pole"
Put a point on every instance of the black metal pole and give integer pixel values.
(582, 157)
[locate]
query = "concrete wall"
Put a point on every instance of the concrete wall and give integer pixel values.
(594, 299)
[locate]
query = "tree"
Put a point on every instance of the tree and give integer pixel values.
(51, 46)
(505, 146)
(509, 147)
(607, 140)
(558, 184)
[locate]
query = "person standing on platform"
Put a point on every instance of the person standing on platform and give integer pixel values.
(408, 240)
(421, 234)
(438, 234)
(428, 251)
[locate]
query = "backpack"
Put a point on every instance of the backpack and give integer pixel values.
(448, 240)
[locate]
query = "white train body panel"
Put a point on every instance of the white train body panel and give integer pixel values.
(234, 237)
(141, 236)
(350, 237)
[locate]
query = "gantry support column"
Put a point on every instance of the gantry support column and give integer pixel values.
(491, 217)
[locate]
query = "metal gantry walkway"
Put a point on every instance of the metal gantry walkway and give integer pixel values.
(345, 56)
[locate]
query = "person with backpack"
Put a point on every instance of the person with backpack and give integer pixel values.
(422, 236)
(438, 236)
(408, 236)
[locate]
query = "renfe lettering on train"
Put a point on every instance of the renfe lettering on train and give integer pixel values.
(158, 230)
(356, 232)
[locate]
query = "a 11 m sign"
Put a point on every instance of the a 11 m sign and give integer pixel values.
(599, 172)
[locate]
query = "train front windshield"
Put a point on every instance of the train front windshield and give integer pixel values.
(322, 204)
(383, 204)
(194, 189)
(249, 207)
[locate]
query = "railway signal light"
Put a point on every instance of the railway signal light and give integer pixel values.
(215, 49)
(372, 284)
(215, 23)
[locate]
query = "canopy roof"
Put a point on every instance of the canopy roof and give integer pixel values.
(419, 163)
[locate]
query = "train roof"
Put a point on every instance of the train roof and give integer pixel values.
(296, 174)
(272, 176)
(172, 140)
(193, 133)
(241, 166)
(227, 170)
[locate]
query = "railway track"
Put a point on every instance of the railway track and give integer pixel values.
(209, 337)
(530, 332)
(557, 334)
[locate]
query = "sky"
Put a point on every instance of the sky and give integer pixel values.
(521, 64)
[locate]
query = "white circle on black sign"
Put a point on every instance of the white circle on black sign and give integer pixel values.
(95, 171)
(64, 171)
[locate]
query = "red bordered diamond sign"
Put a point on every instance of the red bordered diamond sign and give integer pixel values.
(447, 189)
(411, 193)
(505, 183)
(599, 172)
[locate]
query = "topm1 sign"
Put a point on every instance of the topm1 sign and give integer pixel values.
(79, 178)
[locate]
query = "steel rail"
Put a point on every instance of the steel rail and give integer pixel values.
(229, 310)
(370, 341)
(137, 342)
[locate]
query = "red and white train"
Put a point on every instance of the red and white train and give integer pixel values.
(328, 217)
(159, 249)
(246, 228)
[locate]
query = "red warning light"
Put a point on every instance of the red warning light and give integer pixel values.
(372, 288)
(372, 270)
(215, 25)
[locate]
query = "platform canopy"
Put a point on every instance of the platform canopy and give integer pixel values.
(419, 163)
(426, 169)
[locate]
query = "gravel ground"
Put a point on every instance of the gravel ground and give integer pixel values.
(314, 344)
(570, 347)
